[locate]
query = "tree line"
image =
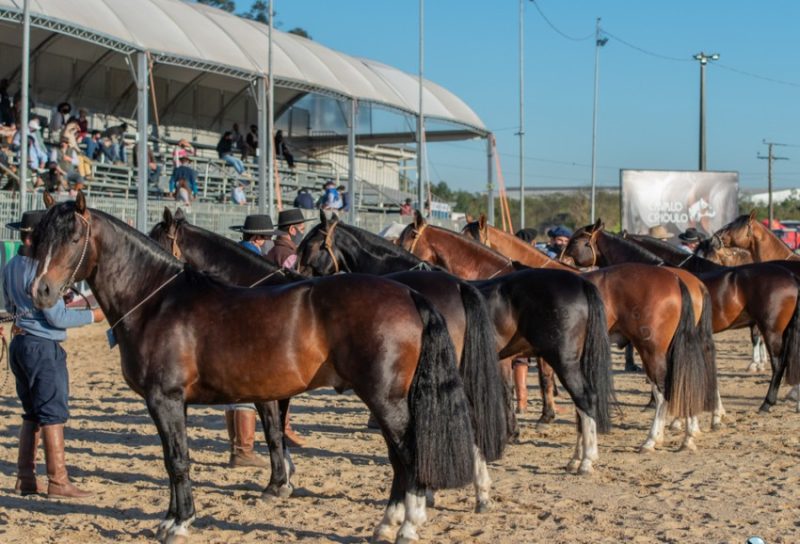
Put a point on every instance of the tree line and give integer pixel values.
(259, 11)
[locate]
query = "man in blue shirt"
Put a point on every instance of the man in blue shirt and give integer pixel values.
(184, 171)
(39, 364)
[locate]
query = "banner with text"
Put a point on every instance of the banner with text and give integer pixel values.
(678, 200)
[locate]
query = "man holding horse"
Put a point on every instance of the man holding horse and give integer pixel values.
(39, 364)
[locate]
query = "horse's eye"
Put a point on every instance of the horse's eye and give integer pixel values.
(76, 240)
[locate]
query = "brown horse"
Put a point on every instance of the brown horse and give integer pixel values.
(638, 300)
(185, 338)
(759, 293)
(543, 312)
(460, 304)
(747, 232)
(689, 381)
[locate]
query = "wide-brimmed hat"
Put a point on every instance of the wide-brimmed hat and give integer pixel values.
(560, 230)
(256, 224)
(691, 235)
(292, 216)
(29, 221)
(660, 232)
(33, 124)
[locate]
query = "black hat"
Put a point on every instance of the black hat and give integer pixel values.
(29, 221)
(292, 216)
(691, 235)
(256, 224)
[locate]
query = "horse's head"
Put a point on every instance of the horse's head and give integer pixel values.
(317, 254)
(411, 239)
(713, 250)
(739, 232)
(65, 248)
(582, 246)
(166, 233)
(477, 230)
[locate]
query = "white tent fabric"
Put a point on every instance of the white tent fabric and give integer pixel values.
(197, 36)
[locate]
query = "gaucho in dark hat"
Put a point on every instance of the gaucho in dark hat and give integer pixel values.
(291, 226)
(690, 239)
(39, 364)
(255, 232)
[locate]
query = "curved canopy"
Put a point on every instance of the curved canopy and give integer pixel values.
(197, 37)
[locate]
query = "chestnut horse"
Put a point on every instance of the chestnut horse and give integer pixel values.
(626, 289)
(537, 312)
(747, 232)
(763, 294)
(186, 338)
(689, 383)
(459, 303)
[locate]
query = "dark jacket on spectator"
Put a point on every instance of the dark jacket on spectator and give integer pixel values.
(187, 173)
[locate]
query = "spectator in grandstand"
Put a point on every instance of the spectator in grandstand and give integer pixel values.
(94, 146)
(66, 161)
(345, 196)
(185, 172)
(182, 149)
(330, 199)
(238, 195)
(37, 153)
(225, 150)
(182, 195)
(6, 168)
(6, 113)
(58, 119)
(406, 208)
(83, 123)
(282, 150)
(238, 140)
(251, 141)
(559, 237)
(116, 135)
(303, 200)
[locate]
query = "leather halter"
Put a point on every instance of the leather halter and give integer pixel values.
(417, 236)
(591, 247)
(88, 223)
(327, 244)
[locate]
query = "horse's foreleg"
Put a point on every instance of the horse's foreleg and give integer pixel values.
(656, 436)
(279, 485)
(168, 413)
(483, 484)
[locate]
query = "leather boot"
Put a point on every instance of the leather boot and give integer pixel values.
(292, 438)
(58, 479)
(230, 427)
(244, 422)
(521, 385)
(27, 484)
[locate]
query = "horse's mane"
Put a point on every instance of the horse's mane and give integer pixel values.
(660, 244)
(483, 250)
(739, 223)
(637, 251)
(377, 244)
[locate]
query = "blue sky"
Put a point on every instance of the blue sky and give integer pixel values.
(648, 106)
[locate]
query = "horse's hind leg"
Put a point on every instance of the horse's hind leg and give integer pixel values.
(483, 484)
(546, 386)
(415, 516)
(719, 412)
(395, 511)
(575, 463)
(774, 345)
(168, 414)
(656, 436)
(759, 350)
(279, 484)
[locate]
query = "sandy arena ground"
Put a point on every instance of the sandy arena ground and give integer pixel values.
(742, 481)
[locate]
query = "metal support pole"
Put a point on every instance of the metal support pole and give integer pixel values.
(421, 197)
(268, 137)
(770, 159)
(142, 98)
(263, 138)
(351, 159)
(24, 85)
(599, 42)
(490, 179)
(703, 59)
(521, 115)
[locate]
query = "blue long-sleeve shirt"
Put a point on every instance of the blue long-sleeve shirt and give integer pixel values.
(50, 323)
(186, 173)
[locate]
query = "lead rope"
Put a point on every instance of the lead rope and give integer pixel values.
(268, 276)
(417, 236)
(148, 297)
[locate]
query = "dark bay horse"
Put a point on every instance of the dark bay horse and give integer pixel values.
(185, 338)
(547, 312)
(460, 304)
(761, 294)
(638, 301)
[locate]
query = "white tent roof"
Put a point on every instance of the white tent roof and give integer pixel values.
(203, 38)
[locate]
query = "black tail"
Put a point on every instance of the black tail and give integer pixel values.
(596, 357)
(705, 335)
(480, 372)
(686, 386)
(439, 434)
(790, 354)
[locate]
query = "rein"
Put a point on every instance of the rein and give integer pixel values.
(148, 297)
(268, 276)
(417, 236)
(176, 249)
(509, 263)
(328, 243)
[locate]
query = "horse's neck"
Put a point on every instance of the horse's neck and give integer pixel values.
(514, 248)
(768, 247)
(127, 270)
(464, 258)
(369, 258)
(675, 257)
(613, 250)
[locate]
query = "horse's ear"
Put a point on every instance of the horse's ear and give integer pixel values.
(598, 225)
(80, 203)
(753, 215)
(482, 222)
(624, 233)
(334, 219)
(468, 218)
(49, 201)
(323, 219)
(166, 217)
(179, 215)
(419, 220)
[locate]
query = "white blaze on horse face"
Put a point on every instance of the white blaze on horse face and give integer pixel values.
(45, 268)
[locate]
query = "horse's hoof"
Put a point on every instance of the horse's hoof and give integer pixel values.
(647, 448)
(716, 425)
(752, 367)
(283, 492)
(482, 507)
(585, 468)
(163, 529)
(407, 537)
(766, 407)
(176, 539)
(688, 446)
(383, 533)
(676, 425)
(633, 368)
(573, 465)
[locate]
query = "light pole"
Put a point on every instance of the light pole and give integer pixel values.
(771, 157)
(703, 59)
(598, 43)
(521, 132)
